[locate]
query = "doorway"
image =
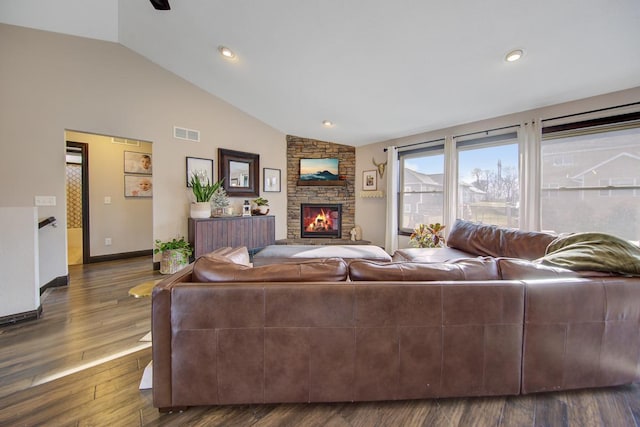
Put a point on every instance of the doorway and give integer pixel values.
(77, 189)
(115, 216)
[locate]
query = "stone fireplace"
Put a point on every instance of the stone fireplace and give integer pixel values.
(332, 193)
(321, 220)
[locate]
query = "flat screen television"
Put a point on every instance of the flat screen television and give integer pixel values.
(319, 169)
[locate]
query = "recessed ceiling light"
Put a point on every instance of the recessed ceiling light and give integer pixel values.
(327, 123)
(514, 55)
(226, 52)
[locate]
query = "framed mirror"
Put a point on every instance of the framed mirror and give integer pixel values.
(241, 172)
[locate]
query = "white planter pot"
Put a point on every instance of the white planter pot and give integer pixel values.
(260, 210)
(200, 210)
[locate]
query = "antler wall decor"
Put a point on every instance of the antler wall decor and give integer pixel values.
(380, 166)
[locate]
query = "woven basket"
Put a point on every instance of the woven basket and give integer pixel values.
(172, 261)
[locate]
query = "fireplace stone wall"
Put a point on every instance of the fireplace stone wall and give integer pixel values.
(305, 148)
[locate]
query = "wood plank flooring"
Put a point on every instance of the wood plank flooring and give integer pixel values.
(94, 317)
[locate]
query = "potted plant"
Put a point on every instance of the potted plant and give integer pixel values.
(428, 236)
(175, 254)
(202, 192)
(261, 206)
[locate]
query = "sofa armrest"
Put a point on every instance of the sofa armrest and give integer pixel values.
(161, 333)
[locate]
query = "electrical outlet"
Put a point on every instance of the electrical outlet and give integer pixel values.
(107, 241)
(107, 200)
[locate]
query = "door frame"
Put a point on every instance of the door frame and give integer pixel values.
(84, 150)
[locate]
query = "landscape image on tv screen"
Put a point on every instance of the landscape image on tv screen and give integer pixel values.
(319, 169)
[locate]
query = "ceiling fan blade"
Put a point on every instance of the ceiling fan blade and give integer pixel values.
(161, 4)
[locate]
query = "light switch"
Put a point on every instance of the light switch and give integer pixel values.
(107, 200)
(45, 200)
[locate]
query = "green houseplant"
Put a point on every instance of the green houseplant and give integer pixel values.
(261, 206)
(175, 254)
(202, 192)
(428, 236)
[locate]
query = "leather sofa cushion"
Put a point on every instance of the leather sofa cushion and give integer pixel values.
(521, 269)
(430, 254)
(461, 269)
(275, 254)
(491, 240)
(217, 269)
(239, 255)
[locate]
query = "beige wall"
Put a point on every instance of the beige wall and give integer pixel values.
(51, 82)
(370, 214)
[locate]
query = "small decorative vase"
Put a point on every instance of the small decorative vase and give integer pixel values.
(172, 261)
(200, 210)
(358, 233)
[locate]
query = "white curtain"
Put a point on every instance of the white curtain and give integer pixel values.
(391, 234)
(530, 136)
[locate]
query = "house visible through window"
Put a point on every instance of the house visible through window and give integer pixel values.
(422, 174)
(599, 188)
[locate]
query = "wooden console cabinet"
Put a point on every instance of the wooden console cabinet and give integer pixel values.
(254, 232)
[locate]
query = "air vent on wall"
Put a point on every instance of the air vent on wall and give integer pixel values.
(124, 141)
(186, 134)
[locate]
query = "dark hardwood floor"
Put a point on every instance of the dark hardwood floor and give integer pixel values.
(86, 323)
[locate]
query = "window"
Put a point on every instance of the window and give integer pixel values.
(599, 188)
(421, 175)
(489, 179)
(550, 190)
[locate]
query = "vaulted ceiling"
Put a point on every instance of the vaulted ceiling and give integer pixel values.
(378, 69)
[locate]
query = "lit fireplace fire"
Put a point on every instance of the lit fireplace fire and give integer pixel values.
(322, 222)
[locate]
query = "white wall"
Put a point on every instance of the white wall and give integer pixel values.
(52, 82)
(370, 215)
(19, 287)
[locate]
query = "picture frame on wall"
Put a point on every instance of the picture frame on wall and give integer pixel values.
(369, 180)
(138, 186)
(135, 162)
(203, 167)
(271, 180)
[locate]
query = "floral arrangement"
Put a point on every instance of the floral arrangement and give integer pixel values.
(428, 236)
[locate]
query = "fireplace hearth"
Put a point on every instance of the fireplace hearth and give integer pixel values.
(321, 220)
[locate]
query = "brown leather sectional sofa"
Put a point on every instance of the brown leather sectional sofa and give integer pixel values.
(487, 323)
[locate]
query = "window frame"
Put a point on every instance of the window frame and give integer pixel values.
(436, 148)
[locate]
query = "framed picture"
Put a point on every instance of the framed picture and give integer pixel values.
(319, 169)
(202, 167)
(369, 180)
(138, 186)
(271, 179)
(135, 162)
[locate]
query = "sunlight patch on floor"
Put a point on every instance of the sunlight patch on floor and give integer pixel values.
(76, 369)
